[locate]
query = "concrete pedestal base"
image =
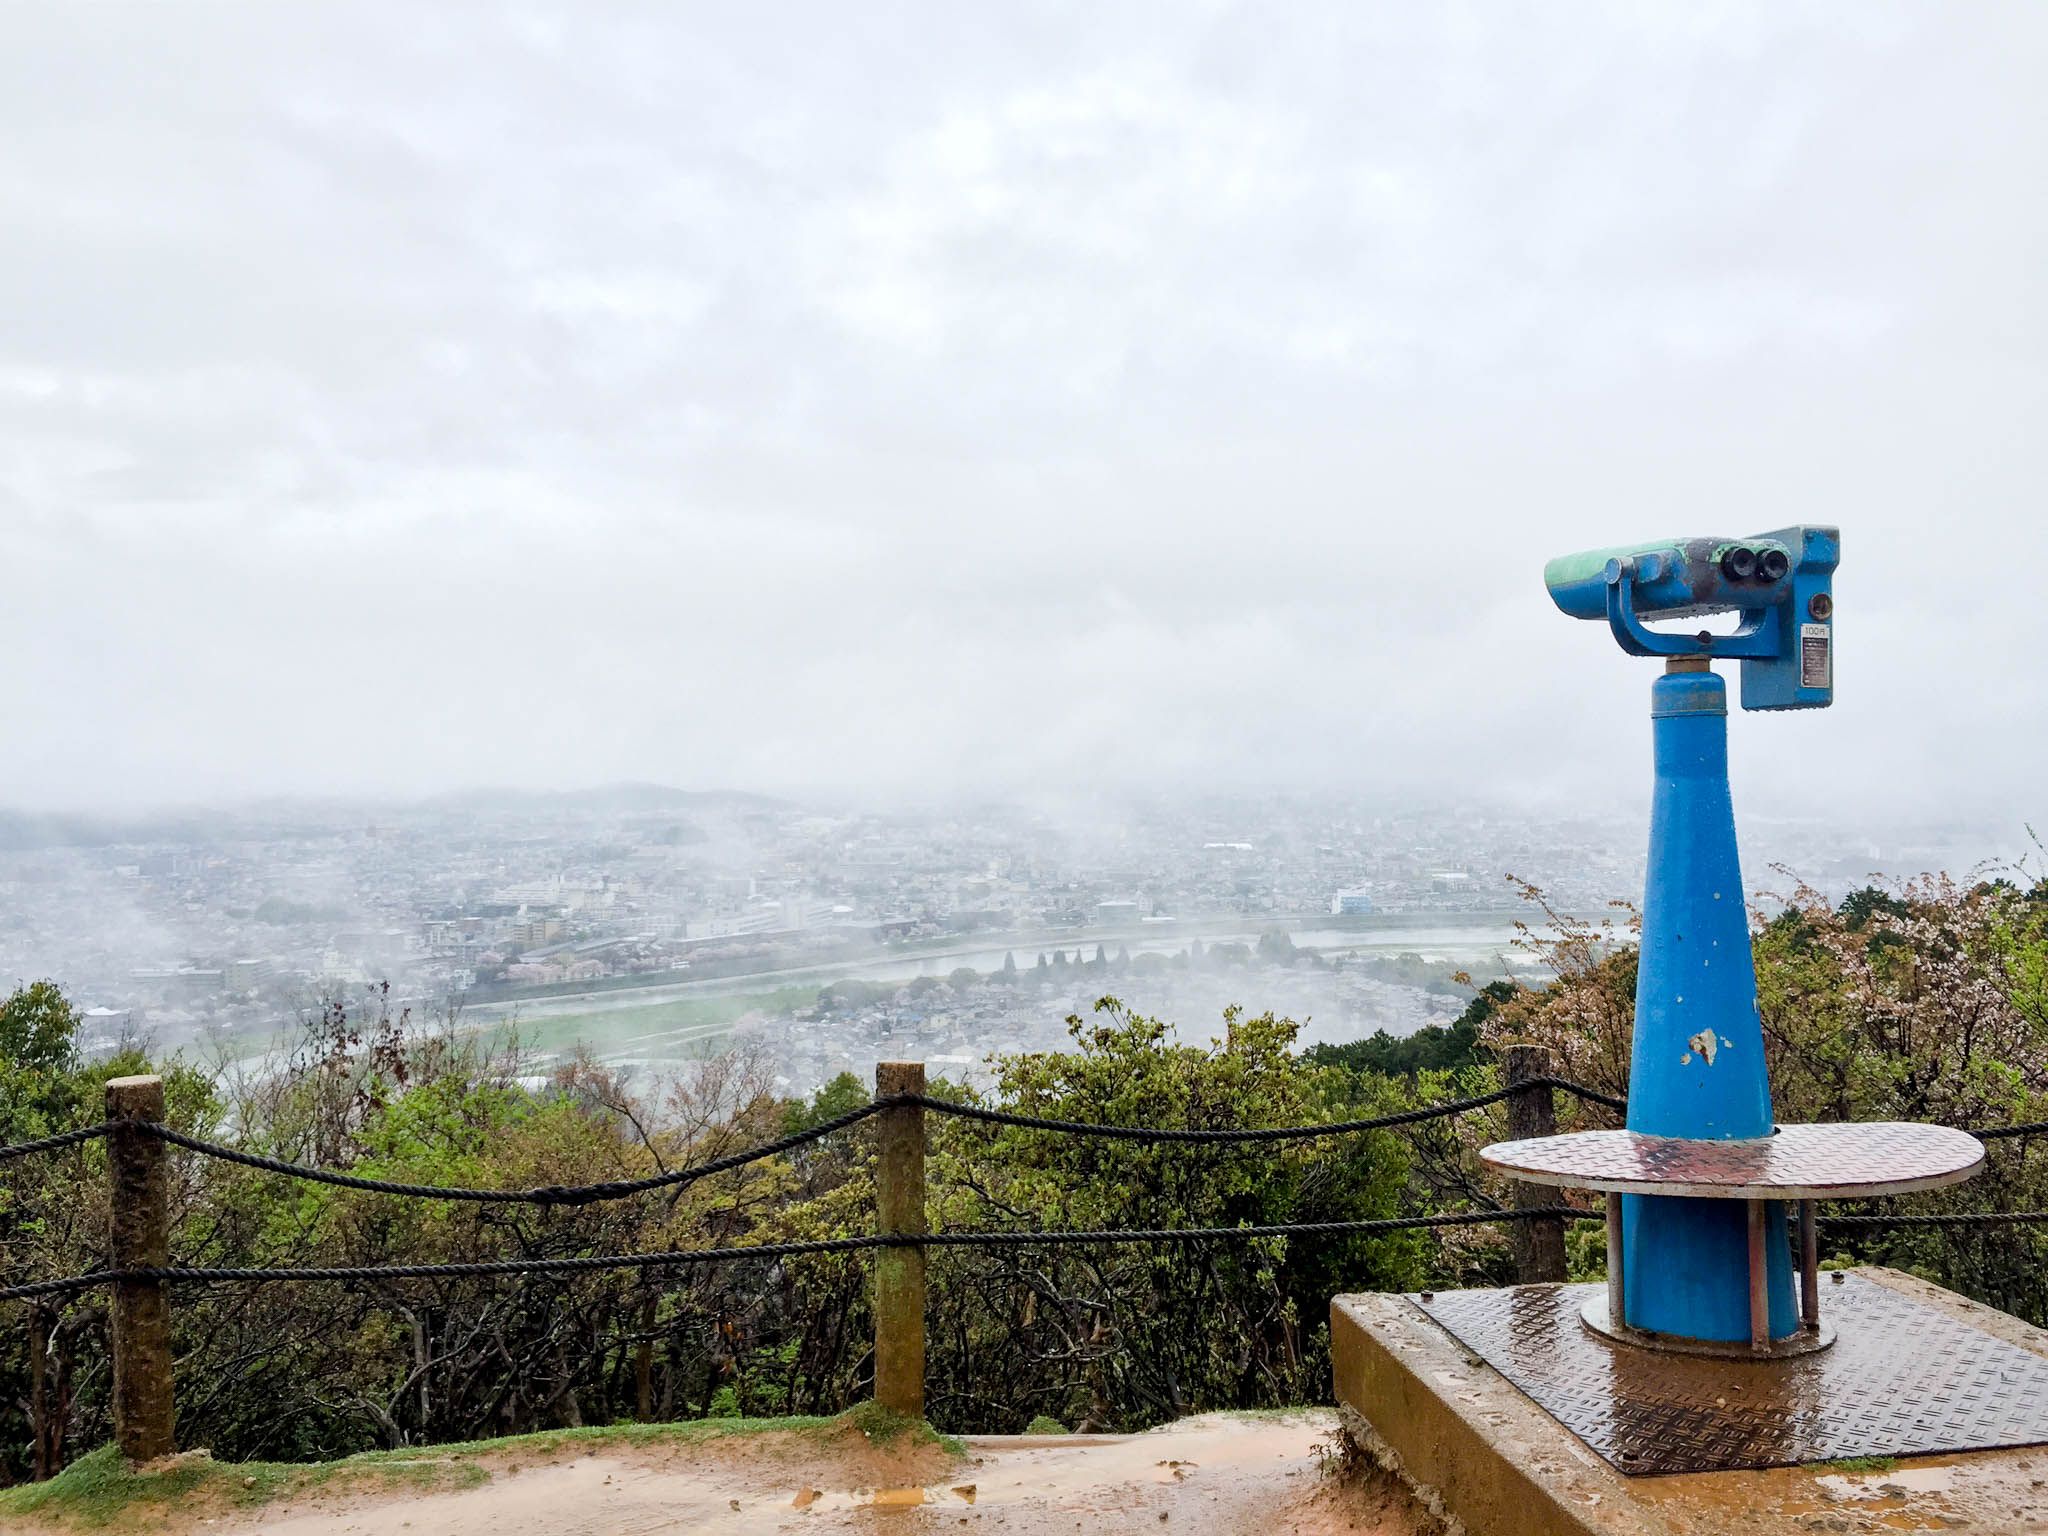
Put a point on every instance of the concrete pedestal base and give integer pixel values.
(1495, 1464)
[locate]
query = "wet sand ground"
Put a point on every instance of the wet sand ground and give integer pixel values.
(1216, 1473)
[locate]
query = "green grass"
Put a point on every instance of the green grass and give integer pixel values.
(100, 1489)
(884, 1427)
(871, 1419)
(611, 1030)
(1863, 1464)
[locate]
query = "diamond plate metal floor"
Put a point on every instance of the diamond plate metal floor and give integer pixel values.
(1903, 1379)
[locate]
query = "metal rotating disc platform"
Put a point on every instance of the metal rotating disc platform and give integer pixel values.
(1801, 1162)
(1797, 1164)
(1904, 1379)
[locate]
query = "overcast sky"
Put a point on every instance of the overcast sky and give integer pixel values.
(897, 401)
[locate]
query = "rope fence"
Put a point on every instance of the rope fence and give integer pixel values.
(56, 1143)
(619, 1189)
(139, 1267)
(550, 1194)
(584, 1264)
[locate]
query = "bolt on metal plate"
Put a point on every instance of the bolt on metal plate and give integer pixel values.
(1903, 1379)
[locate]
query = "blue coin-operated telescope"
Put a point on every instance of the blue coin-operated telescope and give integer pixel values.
(1697, 1064)
(1779, 582)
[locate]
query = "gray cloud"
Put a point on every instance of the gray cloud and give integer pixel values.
(790, 397)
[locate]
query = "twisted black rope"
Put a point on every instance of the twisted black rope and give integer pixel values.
(52, 1143)
(593, 1262)
(1613, 1101)
(1997, 1132)
(547, 1194)
(1941, 1219)
(371, 1273)
(585, 1194)
(1263, 1133)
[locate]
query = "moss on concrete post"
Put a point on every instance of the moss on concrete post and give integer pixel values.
(1532, 1111)
(139, 1237)
(899, 1272)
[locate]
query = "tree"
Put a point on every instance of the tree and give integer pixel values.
(1431, 1049)
(1128, 1335)
(1859, 907)
(1276, 947)
(38, 1053)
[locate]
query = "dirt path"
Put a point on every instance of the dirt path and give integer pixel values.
(1220, 1474)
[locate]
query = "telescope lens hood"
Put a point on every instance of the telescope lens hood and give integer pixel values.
(1773, 564)
(1739, 563)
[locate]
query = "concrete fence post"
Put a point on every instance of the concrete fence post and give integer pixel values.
(139, 1237)
(1532, 1111)
(899, 1272)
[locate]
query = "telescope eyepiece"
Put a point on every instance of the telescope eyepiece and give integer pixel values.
(1739, 563)
(1773, 565)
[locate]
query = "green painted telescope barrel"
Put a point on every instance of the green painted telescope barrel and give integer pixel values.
(1675, 578)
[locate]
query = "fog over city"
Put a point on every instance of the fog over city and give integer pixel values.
(984, 480)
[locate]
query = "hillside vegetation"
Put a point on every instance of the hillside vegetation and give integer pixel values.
(1927, 1002)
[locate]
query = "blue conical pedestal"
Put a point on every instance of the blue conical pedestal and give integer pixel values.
(1697, 1067)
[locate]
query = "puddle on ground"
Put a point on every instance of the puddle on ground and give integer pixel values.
(1873, 1485)
(883, 1498)
(1072, 1475)
(1902, 1499)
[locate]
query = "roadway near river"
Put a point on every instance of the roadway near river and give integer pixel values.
(1480, 941)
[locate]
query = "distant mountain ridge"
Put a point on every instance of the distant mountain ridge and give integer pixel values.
(25, 831)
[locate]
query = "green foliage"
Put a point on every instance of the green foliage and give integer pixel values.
(100, 1489)
(1433, 1048)
(37, 1028)
(1409, 969)
(850, 994)
(1127, 1335)
(38, 1057)
(844, 1094)
(1859, 907)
